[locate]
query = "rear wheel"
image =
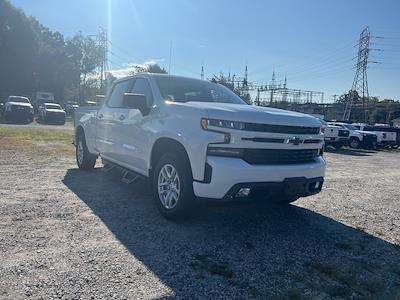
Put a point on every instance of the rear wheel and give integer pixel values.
(173, 186)
(84, 158)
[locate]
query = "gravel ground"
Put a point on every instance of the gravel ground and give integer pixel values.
(70, 234)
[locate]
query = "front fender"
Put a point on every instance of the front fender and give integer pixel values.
(191, 137)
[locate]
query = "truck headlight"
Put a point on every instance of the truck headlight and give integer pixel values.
(206, 123)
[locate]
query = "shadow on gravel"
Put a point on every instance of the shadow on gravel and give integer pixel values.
(243, 251)
(351, 152)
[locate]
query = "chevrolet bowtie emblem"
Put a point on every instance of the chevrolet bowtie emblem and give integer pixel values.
(295, 141)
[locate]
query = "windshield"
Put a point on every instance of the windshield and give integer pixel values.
(18, 99)
(178, 89)
(53, 106)
(350, 127)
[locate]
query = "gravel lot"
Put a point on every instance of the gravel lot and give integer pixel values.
(69, 234)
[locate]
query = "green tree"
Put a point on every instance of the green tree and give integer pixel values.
(155, 68)
(85, 56)
(18, 48)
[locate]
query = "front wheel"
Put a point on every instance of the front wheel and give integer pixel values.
(173, 186)
(84, 158)
(354, 143)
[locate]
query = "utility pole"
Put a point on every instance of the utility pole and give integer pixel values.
(360, 82)
(245, 77)
(272, 87)
(202, 73)
(284, 96)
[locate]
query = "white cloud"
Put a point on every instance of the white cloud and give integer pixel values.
(132, 68)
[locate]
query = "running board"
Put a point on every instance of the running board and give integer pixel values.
(108, 167)
(129, 177)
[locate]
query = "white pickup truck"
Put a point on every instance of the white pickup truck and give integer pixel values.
(385, 136)
(334, 135)
(358, 138)
(196, 139)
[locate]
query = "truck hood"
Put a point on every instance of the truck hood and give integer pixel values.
(19, 104)
(255, 114)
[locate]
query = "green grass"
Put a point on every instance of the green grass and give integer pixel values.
(39, 141)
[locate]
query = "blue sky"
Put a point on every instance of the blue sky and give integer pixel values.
(312, 41)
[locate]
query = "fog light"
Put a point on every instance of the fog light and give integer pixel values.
(243, 192)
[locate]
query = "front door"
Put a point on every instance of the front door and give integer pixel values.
(135, 130)
(108, 117)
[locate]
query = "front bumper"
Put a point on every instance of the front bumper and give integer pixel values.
(229, 174)
(19, 114)
(55, 117)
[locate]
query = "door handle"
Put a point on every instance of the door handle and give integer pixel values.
(121, 117)
(101, 116)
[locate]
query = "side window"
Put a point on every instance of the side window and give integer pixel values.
(116, 96)
(141, 86)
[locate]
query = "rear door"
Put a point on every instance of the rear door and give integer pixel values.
(107, 133)
(134, 130)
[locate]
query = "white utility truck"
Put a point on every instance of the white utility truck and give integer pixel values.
(358, 138)
(385, 136)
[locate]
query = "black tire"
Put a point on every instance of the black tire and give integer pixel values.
(88, 160)
(354, 143)
(185, 200)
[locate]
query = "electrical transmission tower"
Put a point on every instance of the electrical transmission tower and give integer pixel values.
(360, 82)
(103, 46)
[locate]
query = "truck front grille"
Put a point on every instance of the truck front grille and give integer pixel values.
(279, 156)
(280, 128)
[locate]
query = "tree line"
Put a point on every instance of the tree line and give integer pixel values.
(34, 58)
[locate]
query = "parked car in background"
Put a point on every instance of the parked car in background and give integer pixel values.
(18, 108)
(42, 97)
(385, 136)
(358, 138)
(70, 108)
(335, 135)
(52, 113)
(197, 139)
(90, 103)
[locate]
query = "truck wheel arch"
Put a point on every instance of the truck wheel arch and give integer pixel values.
(79, 130)
(164, 145)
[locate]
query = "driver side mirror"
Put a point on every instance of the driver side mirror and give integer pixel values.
(136, 101)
